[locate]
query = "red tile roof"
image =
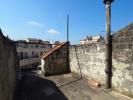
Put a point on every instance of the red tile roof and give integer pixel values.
(52, 50)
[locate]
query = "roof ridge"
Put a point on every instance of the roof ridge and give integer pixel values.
(48, 50)
(52, 50)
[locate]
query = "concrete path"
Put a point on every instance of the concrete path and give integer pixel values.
(60, 87)
(78, 89)
(36, 88)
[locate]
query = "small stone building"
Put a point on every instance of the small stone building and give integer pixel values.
(55, 60)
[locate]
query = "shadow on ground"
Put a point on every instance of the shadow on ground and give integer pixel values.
(36, 88)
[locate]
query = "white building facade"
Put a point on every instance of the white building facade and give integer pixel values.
(29, 51)
(92, 39)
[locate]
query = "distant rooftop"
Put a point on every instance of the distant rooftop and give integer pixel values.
(91, 39)
(33, 40)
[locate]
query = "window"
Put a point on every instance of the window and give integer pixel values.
(21, 55)
(18, 55)
(31, 46)
(32, 54)
(36, 46)
(26, 46)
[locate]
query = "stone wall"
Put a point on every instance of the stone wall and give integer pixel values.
(7, 68)
(56, 61)
(90, 60)
(122, 79)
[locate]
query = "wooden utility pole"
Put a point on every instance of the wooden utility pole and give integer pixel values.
(68, 61)
(108, 56)
(67, 28)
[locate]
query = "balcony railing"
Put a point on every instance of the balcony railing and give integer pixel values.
(25, 62)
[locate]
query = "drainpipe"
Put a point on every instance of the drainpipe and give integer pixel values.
(108, 56)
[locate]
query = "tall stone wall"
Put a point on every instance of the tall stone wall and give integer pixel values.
(90, 60)
(7, 68)
(122, 79)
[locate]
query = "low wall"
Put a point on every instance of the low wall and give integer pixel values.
(89, 59)
(7, 68)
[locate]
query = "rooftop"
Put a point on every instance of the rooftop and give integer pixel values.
(52, 50)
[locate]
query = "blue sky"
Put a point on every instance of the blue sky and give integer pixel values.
(46, 19)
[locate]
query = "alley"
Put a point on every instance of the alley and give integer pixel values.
(60, 87)
(33, 87)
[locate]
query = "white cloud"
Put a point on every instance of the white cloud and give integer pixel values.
(35, 24)
(53, 31)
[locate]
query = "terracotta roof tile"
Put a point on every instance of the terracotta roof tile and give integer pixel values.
(52, 50)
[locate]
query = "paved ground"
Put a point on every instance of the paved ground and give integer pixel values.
(36, 88)
(78, 89)
(61, 87)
